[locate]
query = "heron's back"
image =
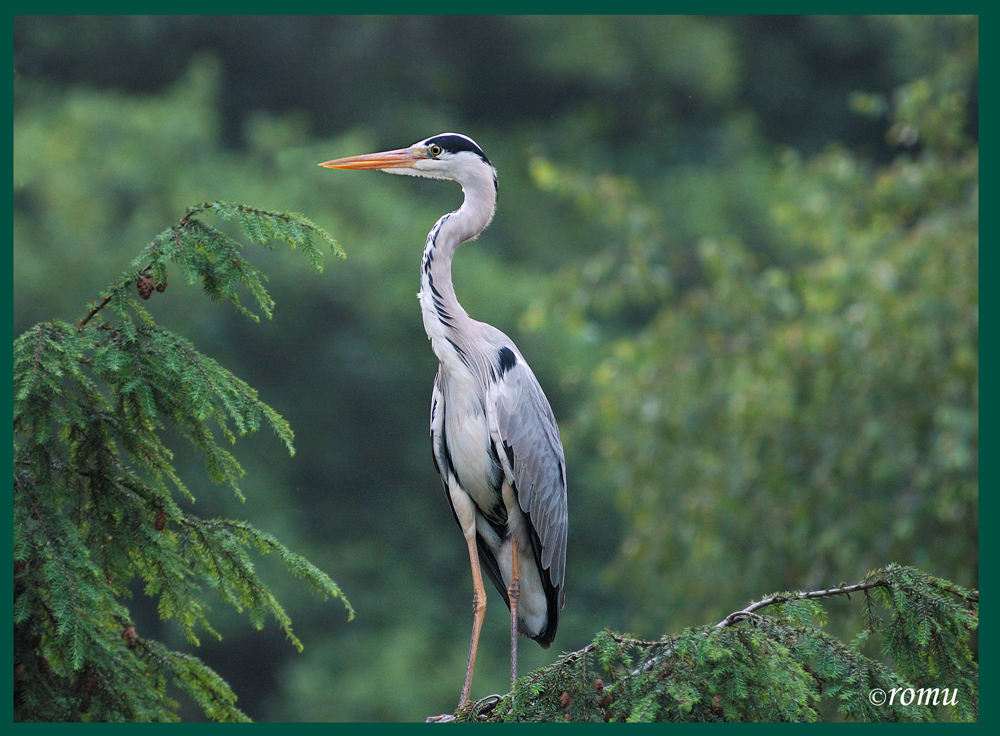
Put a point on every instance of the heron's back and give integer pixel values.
(498, 442)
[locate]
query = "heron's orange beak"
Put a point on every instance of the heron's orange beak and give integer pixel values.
(402, 158)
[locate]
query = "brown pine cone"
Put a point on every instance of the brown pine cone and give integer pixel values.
(145, 286)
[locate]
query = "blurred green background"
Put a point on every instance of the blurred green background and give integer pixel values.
(741, 254)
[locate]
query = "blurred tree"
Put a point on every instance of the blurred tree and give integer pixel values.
(806, 410)
(656, 86)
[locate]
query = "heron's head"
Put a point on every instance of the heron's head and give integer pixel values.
(445, 156)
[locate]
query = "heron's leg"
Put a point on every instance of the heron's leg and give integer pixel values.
(513, 595)
(479, 612)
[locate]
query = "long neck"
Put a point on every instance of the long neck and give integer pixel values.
(443, 315)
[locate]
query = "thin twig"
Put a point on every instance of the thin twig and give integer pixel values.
(750, 611)
(145, 271)
(843, 590)
(95, 309)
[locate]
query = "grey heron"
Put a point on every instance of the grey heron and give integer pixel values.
(494, 437)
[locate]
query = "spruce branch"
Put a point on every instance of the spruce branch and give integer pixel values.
(94, 485)
(748, 612)
(779, 665)
(206, 254)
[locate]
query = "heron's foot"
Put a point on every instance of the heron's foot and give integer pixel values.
(477, 709)
(443, 718)
(486, 705)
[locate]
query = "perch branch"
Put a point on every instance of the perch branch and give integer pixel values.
(828, 592)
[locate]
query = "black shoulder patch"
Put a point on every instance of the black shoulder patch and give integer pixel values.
(507, 359)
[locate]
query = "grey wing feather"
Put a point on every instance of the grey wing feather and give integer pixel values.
(530, 435)
(437, 424)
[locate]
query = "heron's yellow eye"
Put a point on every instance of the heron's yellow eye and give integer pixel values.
(435, 151)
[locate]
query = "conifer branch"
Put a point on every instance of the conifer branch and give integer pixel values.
(747, 612)
(94, 483)
(780, 666)
(92, 312)
(217, 267)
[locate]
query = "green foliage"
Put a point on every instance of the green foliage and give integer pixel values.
(798, 398)
(773, 662)
(95, 486)
(641, 161)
